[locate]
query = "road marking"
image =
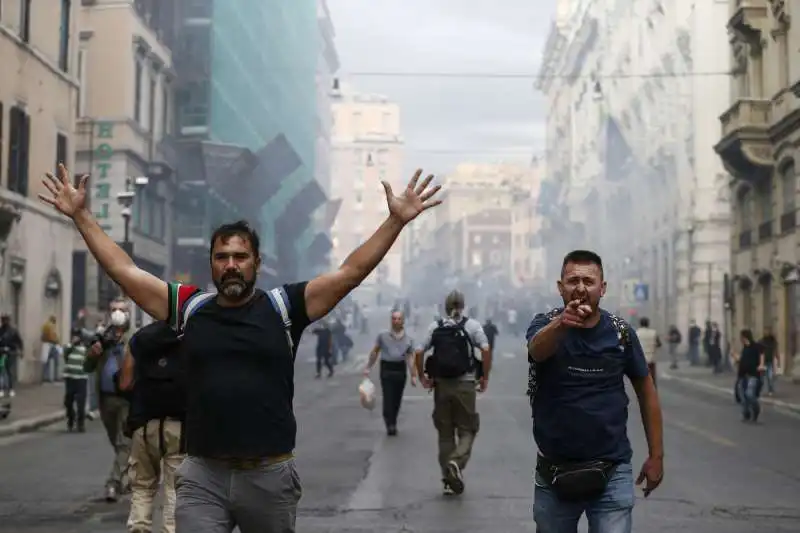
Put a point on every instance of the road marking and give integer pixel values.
(509, 355)
(716, 439)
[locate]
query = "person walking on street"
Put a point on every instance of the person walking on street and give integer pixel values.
(75, 382)
(695, 334)
(451, 372)
(240, 346)
(105, 358)
(12, 348)
(153, 370)
(51, 345)
(491, 333)
(674, 340)
(396, 351)
(651, 343)
(578, 356)
(324, 348)
(750, 366)
(771, 359)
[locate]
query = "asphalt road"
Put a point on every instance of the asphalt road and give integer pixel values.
(721, 475)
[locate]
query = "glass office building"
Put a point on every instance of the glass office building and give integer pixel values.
(247, 71)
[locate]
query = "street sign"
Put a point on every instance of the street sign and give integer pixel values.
(641, 292)
(634, 292)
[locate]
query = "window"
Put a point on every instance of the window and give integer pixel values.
(193, 104)
(789, 188)
(746, 205)
(18, 150)
(63, 38)
(80, 108)
(151, 112)
(166, 108)
(61, 150)
(137, 98)
(765, 202)
(25, 20)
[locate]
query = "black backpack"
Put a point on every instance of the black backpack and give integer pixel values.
(160, 387)
(452, 351)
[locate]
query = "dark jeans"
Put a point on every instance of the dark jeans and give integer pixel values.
(748, 391)
(75, 396)
(393, 383)
(326, 359)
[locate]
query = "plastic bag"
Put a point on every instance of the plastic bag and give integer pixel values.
(366, 391)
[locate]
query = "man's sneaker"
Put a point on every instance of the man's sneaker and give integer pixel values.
(446, 489)
(111, 494)
(454, 477)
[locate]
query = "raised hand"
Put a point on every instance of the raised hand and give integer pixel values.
(414, 200)
(575, 313)
(64, 196)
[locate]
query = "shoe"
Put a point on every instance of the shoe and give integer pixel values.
(391, 431)
(446, 489)
(454, 477)
(111, 494)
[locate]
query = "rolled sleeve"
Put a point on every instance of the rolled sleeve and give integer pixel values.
(636, 365)
(477, 334)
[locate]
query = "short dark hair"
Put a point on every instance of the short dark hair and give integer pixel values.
(582, 256)
(240, 228)
(644, 322)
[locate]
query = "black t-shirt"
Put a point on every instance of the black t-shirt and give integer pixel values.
(748, 362)
(240, 373)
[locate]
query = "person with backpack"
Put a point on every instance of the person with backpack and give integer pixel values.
(452, 371)
(240, 344)
(579, 355)
(153, 371)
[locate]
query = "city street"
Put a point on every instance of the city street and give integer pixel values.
(721, 475)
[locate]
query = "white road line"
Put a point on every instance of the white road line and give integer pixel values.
(509, 355)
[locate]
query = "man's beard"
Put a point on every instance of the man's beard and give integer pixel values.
(234, 287)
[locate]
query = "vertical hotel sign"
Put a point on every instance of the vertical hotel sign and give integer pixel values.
(101, 188)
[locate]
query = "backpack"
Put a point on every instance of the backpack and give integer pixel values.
(160, 389)
(277, 296)
(623, 334)
(452, 351)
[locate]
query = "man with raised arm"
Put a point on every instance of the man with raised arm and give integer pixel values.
(240, 345)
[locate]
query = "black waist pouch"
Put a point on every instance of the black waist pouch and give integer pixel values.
(576, 481)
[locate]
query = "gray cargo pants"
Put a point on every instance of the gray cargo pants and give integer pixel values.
(215, 496)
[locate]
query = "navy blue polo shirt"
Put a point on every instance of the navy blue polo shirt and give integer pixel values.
(580, 411)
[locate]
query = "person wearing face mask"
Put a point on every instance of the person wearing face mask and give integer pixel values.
(105, 360)
(579, 356)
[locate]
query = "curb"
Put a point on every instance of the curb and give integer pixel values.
(728, 391)
(29, 425)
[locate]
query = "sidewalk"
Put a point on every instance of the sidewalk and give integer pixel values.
(787, 393)
(34, 407)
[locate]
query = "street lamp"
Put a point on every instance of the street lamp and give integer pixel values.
(125, 200)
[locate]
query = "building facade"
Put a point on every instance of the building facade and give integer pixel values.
(633, 115)
(124, 123)
(246, 82)
(367, 149)
(483, 236)
(38, 94)
(760, 147)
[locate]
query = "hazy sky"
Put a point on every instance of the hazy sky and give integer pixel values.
(449, 120)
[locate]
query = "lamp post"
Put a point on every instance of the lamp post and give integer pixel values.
(125, 200)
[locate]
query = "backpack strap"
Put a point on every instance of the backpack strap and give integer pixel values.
(191, 306)
(280, 301)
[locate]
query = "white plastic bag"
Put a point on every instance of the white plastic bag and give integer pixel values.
(366, 391)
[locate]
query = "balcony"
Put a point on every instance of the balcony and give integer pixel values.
(745, 147)
(748, 19)
(765, 231)
(745, 239)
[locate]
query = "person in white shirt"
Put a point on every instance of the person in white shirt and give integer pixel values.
(648, 337)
